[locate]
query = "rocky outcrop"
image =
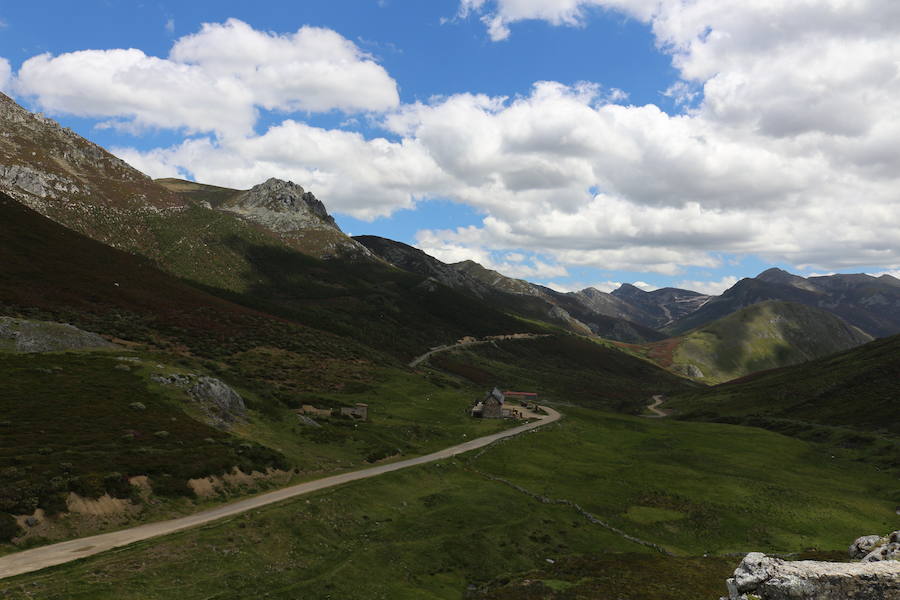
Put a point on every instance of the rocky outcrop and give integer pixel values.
(21, 335)
(282, 206)
(218, 398)
(297, 217)
(223, 405)
(876, 577)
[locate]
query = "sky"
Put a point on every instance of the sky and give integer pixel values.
(572, 143)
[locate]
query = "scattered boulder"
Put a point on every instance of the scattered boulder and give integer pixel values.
(887, 548)
(176, 379)
(308, 421)
(863, 545)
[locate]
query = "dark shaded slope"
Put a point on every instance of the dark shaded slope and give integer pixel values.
(49, 270)
(516, 296)
(48, 267)
(857, 388)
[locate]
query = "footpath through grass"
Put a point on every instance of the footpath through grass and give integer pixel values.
(444, 530)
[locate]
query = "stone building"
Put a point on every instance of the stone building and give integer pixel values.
(491, 407)
(358, 411)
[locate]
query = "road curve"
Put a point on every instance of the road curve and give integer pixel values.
(654, 408)
(493, 338)
(63, 552)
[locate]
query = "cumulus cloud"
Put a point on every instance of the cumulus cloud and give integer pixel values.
(212, 81)
(785, 149)
(5, 75)
(362, 177)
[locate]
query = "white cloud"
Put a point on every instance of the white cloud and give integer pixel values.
(786, 148)
(170, 26)
(214, 80)
(712, 288)
(352, 175)
(5, 75)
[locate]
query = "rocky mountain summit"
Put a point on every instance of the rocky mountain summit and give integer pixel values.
(282, 206)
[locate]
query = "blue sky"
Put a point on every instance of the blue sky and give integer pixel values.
(611, 173)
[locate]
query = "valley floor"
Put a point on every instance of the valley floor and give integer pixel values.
(47, 556)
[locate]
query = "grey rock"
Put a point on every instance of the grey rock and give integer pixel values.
(176, 379)
(888, 551)
(31, 521)
(308, 421)
(863, 545)
(222, 403)
(22, 335)
(766, 578)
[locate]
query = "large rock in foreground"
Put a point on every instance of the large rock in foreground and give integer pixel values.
(762, 577)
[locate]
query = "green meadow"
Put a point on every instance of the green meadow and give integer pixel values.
(452, 530)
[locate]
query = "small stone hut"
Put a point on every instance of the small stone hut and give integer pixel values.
(491, 407)
(359, 411)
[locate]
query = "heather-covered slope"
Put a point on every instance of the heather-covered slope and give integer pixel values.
(574, 312)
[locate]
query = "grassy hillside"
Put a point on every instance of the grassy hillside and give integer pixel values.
(857, 388)
(448, 529)
(763, 336)
(564, 368)
(847, 400)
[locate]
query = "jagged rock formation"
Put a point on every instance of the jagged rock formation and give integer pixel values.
(21, 335)
(408, 258)
(281, 206)
(761, 577)
(873, 548)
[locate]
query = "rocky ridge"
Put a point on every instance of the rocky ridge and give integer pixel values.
(56, 172)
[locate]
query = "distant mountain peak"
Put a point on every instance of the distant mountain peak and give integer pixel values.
(282, 206)
(627, 289)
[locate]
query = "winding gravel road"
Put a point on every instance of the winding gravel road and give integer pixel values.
(63, 552)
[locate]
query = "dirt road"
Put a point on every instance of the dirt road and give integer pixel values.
(512, 336)
(63, 552)
(654, 408)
